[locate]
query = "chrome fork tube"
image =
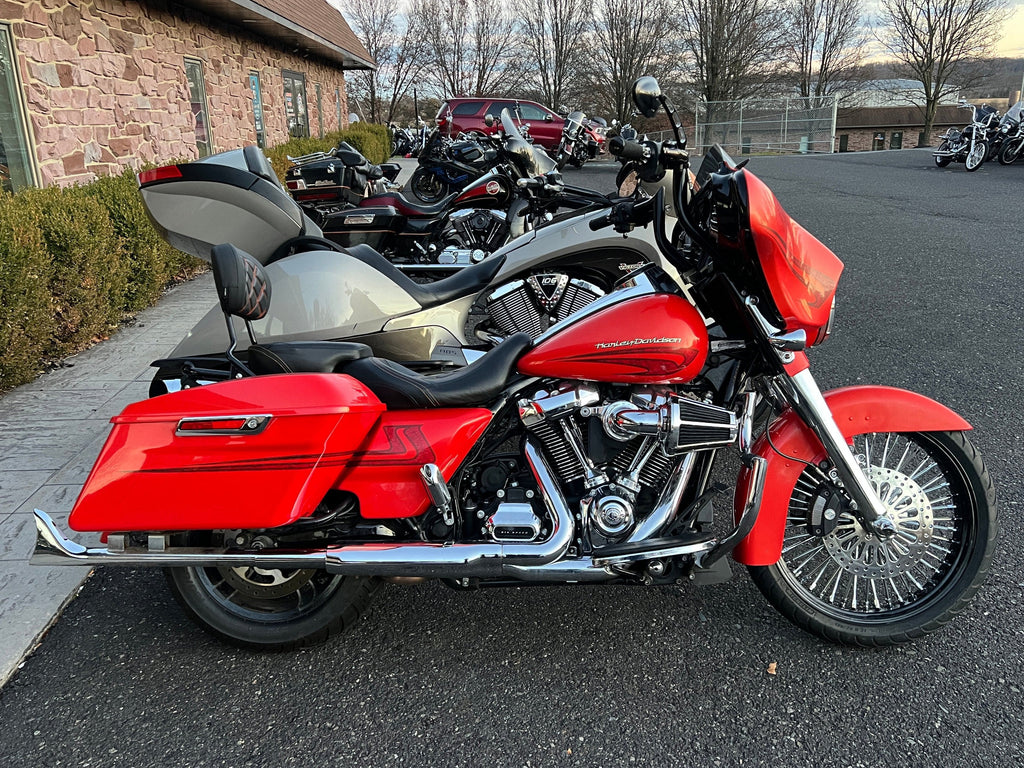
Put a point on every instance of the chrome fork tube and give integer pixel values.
(805, 396)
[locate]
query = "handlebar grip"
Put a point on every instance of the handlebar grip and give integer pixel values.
(629, 150)
(600, 223)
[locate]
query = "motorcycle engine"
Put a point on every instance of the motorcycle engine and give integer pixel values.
(474, 233)
(531, 305)
(614, 450)
(480, 228)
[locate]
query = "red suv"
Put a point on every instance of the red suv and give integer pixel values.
(467, 114)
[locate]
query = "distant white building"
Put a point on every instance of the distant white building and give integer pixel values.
(893, 93)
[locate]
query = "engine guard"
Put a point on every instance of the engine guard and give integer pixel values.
(857, 410)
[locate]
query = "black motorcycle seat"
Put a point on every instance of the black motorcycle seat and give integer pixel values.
(304, 356)
(414, 207)
(477, 384)
(465, 282)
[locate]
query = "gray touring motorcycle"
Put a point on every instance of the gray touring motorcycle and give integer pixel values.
(322, 293)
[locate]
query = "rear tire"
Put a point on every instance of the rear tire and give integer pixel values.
(976, 156)
(848, 587)
(942, 162)
(271, 609)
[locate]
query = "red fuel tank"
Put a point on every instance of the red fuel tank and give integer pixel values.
(648, 340)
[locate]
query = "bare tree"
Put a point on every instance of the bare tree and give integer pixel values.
(397, 48)
(937, 41)
(632, 39)
(471, 45)
(555, 33)
(825, 44)
(736, 46)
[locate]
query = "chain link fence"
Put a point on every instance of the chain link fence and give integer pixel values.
(782, 125)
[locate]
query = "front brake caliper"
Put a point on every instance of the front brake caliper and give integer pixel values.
(824, 510)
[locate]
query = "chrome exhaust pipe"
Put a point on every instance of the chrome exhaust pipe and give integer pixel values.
(483, 560)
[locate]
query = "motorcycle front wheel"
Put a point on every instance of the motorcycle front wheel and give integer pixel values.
(271, 609)
(848, 586)
(942, 162)
(427, 186)
(1010, 152)
(976, 156)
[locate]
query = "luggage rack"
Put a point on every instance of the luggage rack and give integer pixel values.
(310, 158)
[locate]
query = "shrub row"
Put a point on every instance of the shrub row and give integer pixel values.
(73, 263)
(374, 141)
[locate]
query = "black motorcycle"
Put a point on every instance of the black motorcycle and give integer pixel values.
(972, 145)
(324, 181)
(1011, 131)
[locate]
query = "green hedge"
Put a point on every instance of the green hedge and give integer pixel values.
(374, 141)
(73, 263)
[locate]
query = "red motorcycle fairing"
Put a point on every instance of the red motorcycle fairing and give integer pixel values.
(801, 272)
(385, 473)
(659, 339)
(857, 410)
(250, 453)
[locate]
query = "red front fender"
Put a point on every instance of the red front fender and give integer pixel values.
(857, 411)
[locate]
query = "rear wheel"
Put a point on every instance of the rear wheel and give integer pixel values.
(271, 609)
(1010, 152)
(427, 186)
(849, 586)
(976, 156)
(943, 161)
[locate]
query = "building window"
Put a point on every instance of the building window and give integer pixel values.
(337, 107)
(200, 110)
(320, 109)
(257, 109)
(15, 159)
(295, 103)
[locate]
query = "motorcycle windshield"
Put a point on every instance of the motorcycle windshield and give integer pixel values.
(801, 272)
(1014, 112)
(531, 159)
(574, 124)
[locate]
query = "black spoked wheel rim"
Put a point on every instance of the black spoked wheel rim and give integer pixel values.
(268, 596)
(853, 577)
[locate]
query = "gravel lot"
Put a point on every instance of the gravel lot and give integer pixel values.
(931, 300)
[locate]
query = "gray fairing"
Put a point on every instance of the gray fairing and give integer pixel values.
(329, 295)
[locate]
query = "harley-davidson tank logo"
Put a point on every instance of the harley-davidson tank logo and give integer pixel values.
(630, 267)
(636, 342)
(493, 188)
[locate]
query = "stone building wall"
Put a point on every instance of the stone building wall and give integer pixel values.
(861, 139)
(105, 84)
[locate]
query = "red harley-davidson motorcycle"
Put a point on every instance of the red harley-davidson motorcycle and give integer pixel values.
(280, 500)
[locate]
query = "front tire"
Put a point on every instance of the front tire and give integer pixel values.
(976, 156)
(427, 186)
(271, 609)
(1010, 152)
(849, 587)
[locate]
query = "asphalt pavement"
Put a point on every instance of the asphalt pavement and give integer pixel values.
(614, 676)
